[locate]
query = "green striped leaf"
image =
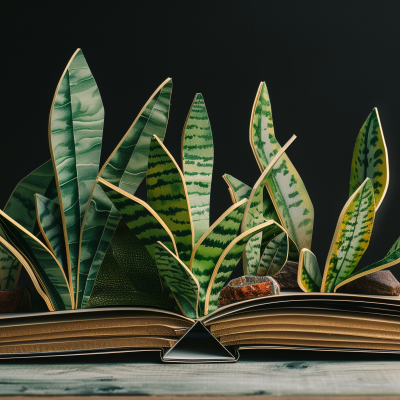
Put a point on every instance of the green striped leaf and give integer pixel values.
(75, 135)
(21, 204)
(274, 256)
(370, 158)
(284, 184)
(212, 244)
(9, 268)
(42, 261)
(179, 279)
(197, 164)
(351, 238)
(309, 275)
(128, 275)
(227, 263)
(253, 215)
(51, 229)
(395, 246)
(141, 219)
(167, 195)
(133, 149)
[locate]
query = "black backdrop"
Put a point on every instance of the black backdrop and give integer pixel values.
(326, 65)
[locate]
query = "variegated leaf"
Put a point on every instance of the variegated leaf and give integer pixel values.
(134, 146)
(21, 204)
(42, 261)
(284, 184)
(179, 279)
(395, 246)
(210, 247)
(227, 262)
(128, 275)
(370, 158)
(9, 268)
(141, 219)
(167, 195)
(351, 238)
(197, 164)
(75, 136)
(309, 275)
(274, 256)
(50, 228)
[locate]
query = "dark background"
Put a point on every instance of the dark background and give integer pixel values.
(326, 65)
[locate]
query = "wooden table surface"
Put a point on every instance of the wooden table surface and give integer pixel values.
(276, 373)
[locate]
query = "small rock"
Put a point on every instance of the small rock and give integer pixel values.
(247, 287)
(287, 276)
(380, 282)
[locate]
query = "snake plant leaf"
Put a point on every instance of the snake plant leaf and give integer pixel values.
(168, 197)
(51, 229)
(197, 164)
(395, 246)
(95, 234)
(253, 215)
(284, 184)
(274, 256)
(392, 258)
(42, 261)
(226, 264)
(21, 204)
(75, 136)
(179, 279)
(9, 269)
(212, 244)
(141, 219)
(351, 238)
(370, 158)
(309, 275)
(128, 275)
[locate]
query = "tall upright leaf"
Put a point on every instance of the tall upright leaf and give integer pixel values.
(284, 184)
(274, 256)
(179, 279)
(167, 195)
(370, 158)
(227, 262)
(309, 275)
(130, 155)
(9, 268)
(351, 238)
(212, 244)
(75, 136)
(197, 164)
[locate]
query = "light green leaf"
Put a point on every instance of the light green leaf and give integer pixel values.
(284, 184)
(197, 164)
(9, 268)
(227, 262)
(351, 238)
(212, 244)
(130, 155)
(179, 279)
(395, 246)
(75, 136)
(42, 261)
(167, 195)
(370, 158)
(274, 256)
(309, 275)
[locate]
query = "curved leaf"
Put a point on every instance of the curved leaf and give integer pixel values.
(9, 269)
(309, 275)
(179, 279)
(284, 184)
(227, 262)
(351, 238)
(274, 256)
(197, 164)
(168, 197)
(370, 158)
(75, 136)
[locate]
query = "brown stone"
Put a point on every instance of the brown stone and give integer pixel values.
(380, 282)
(247, 287)
(287, 276)
(15, 300)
